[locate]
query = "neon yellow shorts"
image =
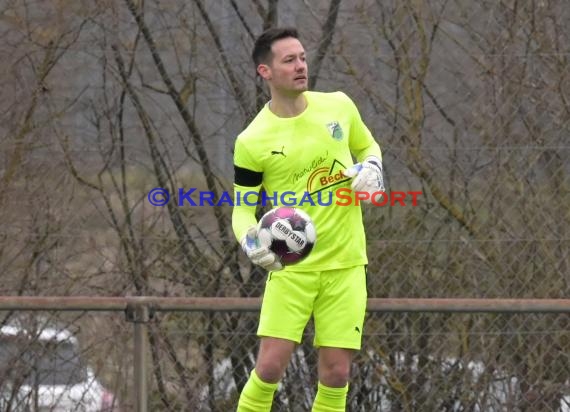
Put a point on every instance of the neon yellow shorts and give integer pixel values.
(335, 298)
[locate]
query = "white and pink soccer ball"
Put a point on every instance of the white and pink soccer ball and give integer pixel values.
(288, 232)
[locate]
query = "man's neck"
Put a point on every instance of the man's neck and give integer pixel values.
(288, 106)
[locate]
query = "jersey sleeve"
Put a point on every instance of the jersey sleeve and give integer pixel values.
(243, 213)
(361, 143)
(243, 157)
(248, 176)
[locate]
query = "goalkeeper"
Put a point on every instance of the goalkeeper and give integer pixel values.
(303, 141)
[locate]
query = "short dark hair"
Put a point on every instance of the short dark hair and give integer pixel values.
(262, 48)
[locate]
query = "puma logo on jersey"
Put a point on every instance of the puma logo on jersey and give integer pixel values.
(282, 153)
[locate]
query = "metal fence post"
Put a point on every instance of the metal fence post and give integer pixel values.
(140, 314)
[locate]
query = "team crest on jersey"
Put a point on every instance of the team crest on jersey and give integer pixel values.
(335, 130)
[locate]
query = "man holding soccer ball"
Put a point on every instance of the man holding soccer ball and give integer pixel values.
(303, 142)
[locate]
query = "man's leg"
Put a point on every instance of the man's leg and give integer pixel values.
(272, 360)
(339, 317)
(285, 311)
(334, 373)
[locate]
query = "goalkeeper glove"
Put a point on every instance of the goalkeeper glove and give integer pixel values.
(368, 176)
(259, 255)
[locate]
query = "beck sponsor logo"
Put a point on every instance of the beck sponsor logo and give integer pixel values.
(328, 180)
(326, 177)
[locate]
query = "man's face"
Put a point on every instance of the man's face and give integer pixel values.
(287, 72)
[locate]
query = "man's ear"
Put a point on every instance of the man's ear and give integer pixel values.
(264, 71)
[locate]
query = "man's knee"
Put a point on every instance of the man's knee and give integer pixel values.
(335, 374)
(334, 366)
(270, 370)
(273, 358)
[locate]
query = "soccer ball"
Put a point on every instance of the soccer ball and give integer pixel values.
(288, 232)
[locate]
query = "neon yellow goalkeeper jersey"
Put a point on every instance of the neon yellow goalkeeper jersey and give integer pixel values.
(299, 162)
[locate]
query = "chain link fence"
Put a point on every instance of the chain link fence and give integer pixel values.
(103, 101)
(439, 355)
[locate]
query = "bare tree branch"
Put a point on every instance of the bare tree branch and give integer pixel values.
(325, 41)
(234, 83)
(235, 7)
(271, 18)
(223, 228)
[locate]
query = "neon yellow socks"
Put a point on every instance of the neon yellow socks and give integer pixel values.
(330, 399)
(257, 396)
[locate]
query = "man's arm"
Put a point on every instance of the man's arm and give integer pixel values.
(243, 217)
(246, 182)
(361, 143)
(369, 172)
(246, 193)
